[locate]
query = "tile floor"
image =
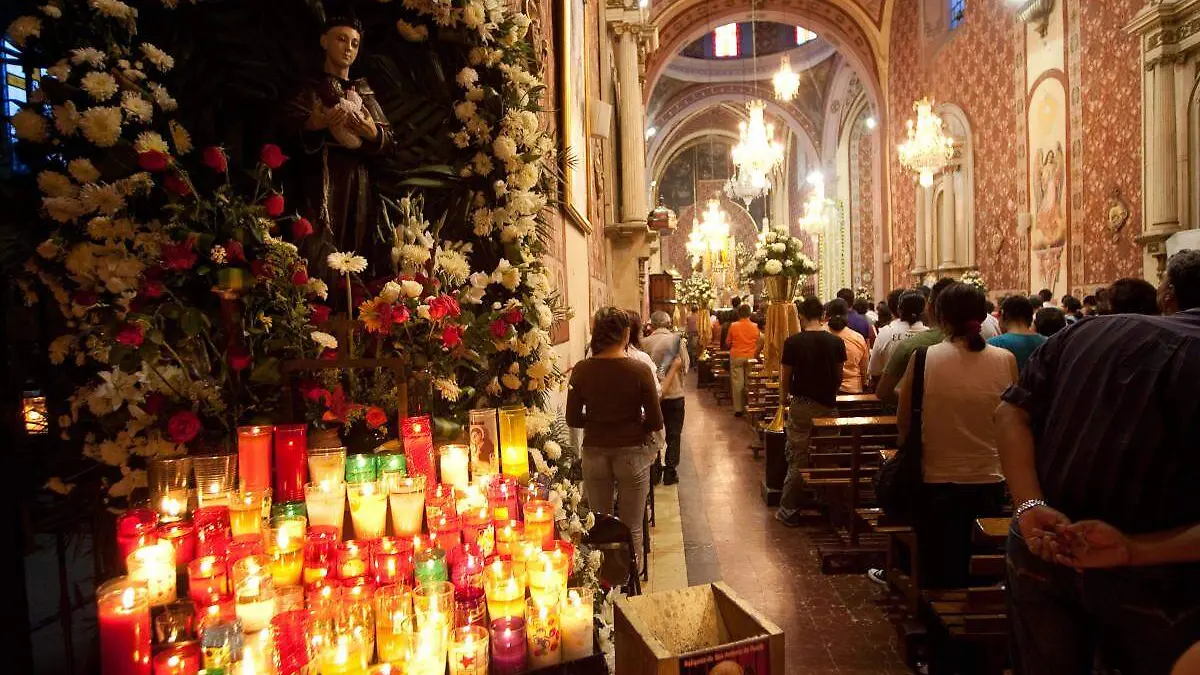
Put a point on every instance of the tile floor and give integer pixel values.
(714, 526)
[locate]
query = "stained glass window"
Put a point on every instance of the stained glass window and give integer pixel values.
(725, 41)
(958, 12)
(804, 35)
(15, 91)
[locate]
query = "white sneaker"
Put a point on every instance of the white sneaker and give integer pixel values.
(877, 576)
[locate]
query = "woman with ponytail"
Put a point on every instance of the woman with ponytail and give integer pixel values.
(854, 370)
(963, 380)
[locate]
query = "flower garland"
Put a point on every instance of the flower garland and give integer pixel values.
(779, 254)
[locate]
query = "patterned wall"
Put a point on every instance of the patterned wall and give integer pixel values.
(1112, 141)
(862, 206)
(975, 68)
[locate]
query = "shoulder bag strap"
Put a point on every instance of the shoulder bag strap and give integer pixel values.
(918, 391)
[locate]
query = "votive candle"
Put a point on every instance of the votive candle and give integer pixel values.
(327, 465)
(539, 522)
(246, 511)
(543, 632)
(547, 578)
(154, 565)
(505, 589)
(483, 434)
(207, 580)
(213, 531)
(477, 529)
(182, 537)
(392, 561)
(393, 621)
(433, 601)
(407, 499)
(468, 653)
(180, 659)
(291, 461)
(502, 498)
(509, 649)
(285, 548)
(124, 610)
(430, 566)
(255, 597)
(417, 433)
(440, 502)
(446, 532)
(352, 559)
(254, 457)
(363, 467)
(454, 462)
(136, 528)
(514, 445)
(577, 624)
(368, 509)
(346, 656)
(508, 535)
(326, 503)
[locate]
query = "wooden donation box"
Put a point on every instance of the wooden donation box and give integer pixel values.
(693, 630)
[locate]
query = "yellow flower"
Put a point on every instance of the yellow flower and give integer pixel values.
(148, 141)
(181, 138)
(376, 315)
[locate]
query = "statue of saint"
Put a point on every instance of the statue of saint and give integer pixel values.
(340, 127)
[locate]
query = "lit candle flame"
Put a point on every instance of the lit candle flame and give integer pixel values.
(127, 598)
(574, 599)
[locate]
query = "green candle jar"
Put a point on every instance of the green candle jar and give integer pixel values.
(362, 468)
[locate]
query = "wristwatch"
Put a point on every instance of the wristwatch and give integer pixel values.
(1026, 505)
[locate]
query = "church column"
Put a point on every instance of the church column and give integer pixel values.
(946, 234)
(632, 242)
(1161, 181)
(919, 235)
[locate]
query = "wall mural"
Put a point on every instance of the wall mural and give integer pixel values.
(1050, 221)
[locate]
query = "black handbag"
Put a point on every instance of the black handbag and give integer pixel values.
(899, 484)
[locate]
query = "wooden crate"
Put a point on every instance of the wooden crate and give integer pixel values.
(689, 631)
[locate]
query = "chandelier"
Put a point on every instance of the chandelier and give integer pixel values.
(786, 80)
(928, 149)
(696, 245)
(757, 151)
(747, 186)
(815, 216)
(715, 226)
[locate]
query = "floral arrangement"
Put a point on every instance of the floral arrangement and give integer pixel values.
(697, 290)
(183, 288)
(974, 278)
(862, 293)
(778, 254)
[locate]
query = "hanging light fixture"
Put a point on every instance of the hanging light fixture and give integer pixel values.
(696, 244)
(786, 80)
(815, 217)
(715, 226)
(928, 149)
(747, 186)
(757, 152)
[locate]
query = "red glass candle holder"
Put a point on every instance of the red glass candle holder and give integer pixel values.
(291, 462)
(440, 501)
(254, 457)
(289, 633)
(417, 434)
(466, 569)
(212, 530)
(244, 546)
(502, 499)
(353, 559)
(135, 528)
(182, 536)
(508, 535)
(392, 561)
(320, 553)
(509, 651)
(477, 529)
(323, 595)
(208, 580)
(446, 533)
(179, 659)
(221, 611)
(539, 522)
(470, 608)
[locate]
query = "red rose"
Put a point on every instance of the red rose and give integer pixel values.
(442, 307)
(131, 335)
(214, 158)
(318, 313)
(85, 298)
(300, 276)
(399, 314)
(319, 395)
(452, 336)
(499, 329)
(514, 316)
(183, 426)
(234, 251)
(154, 403)
(176, 185)
(301, 228)
(260, 269)
(272, 156)
(239, 357)
(150, 288)
(274, 205)
(178, 256)
(153, 160)
(376, 417)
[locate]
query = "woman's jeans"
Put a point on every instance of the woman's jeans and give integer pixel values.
(625, 472)
(1132, 620)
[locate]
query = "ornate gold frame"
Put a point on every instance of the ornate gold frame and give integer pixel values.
(576, 214)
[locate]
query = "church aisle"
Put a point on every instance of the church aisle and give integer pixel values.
(833, 624)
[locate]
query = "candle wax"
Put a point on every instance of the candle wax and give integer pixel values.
(124, 635)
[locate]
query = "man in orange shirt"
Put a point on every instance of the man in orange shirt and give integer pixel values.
(743, 344)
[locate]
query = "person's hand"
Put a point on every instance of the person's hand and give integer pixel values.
(1093, 544)
(334, 116)
(1039, 528)
(364, 126)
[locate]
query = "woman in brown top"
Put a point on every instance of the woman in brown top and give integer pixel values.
(608, 395)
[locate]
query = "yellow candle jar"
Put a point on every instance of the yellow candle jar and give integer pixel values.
(154, 566)
(514, 444)
(287, 556)
(393, 622)
(368, 509)
(246, 511)
(547, 578)
(504, 587)
(539, 522)
(407, 497)
(345, 655)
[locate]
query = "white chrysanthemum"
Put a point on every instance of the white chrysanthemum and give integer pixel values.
(347, 263)
(114, 8)
(99, 85)
(22, 28)
(526, 177)
(217, 254)
(138, 183)
(137, 107)
(511, 381)
(180, 138)
(467, 78)
(455, 265)
(507, 275)
(161, 97)
(412, 33)
(324, 339)
(30, 126)
(161, 60)
(101, 125)
(448, 389)
(55, 184)
(553, 450)
(779, 248)
(482, 219)
(773, 267)
(151, 141)
(504, 148)
(318, 288)
(415, 255)
(60, 71)
(391, 292)
(411, 288)
(473, 15)
(51, 11)
(89, 55)
(63, 209)
(60, 348)
(66, 118)
(493, 388)
(482, 164)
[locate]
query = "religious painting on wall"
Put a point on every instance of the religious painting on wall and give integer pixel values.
(1048, 177)
(570, 20)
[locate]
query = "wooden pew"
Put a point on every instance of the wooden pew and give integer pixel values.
(859, 405)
